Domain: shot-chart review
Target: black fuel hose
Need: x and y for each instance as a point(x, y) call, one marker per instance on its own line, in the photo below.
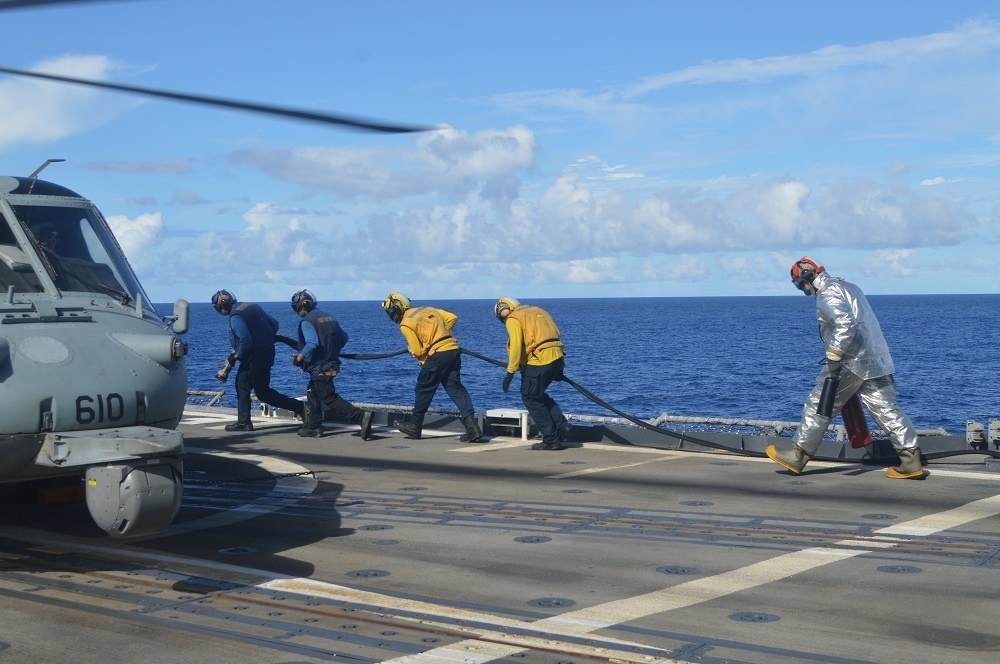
point(645, 425)
point(294, 345)
point(699, 441)
point(288, 341)
point(372, 356)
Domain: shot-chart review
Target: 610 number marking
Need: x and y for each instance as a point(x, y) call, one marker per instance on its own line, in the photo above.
point(110, 408)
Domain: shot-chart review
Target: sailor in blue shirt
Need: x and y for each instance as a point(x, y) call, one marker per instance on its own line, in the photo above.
point(251, 335)
point(320, 341)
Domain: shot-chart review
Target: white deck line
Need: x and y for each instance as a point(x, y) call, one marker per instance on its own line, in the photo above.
point(588, 620)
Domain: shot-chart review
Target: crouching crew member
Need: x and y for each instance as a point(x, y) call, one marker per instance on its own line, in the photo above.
point(534, 349)
point(428, 338)
point(251, 334)
point(858, 356)
point(320, 341)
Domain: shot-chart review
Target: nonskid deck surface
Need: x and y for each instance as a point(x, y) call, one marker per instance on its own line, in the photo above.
point(292, 549)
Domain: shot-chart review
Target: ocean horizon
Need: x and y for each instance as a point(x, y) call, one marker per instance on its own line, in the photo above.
point(753, 357)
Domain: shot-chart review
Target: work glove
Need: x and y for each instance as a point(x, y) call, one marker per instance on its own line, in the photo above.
point(298, 360)
point(833, 364)
point(506, 381)
point(223, 374)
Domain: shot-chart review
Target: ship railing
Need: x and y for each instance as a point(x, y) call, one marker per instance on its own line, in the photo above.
point(689, 422)
point(213, 397)
point(204, 397)
point(395, 408)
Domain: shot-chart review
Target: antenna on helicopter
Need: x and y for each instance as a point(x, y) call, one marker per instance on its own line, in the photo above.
point(40, 168)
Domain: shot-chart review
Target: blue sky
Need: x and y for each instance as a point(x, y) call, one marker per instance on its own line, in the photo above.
point(581, 149)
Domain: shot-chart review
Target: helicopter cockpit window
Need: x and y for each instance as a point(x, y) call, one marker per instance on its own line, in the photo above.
point(82, 255)
point(15, 266)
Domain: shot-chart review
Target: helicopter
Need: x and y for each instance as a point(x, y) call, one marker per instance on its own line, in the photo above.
point(93, 380)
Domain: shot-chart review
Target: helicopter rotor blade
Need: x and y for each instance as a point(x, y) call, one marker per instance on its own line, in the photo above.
point(21, 4)
point(253, 107)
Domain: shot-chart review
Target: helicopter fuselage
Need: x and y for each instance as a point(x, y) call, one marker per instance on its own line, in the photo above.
point(92, 380)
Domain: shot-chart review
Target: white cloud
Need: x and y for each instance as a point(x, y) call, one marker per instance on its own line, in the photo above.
point(900, 166)
point(302, 256)
point(446, 161)
point(593, 168)
point(972, 37)
point(180, 165)
point(898, 262)
point(781, 209)
point(590, 271)
point(37, 111)
point(574, 234)
point(137, 236)
point(924, 87)
point(262, 215)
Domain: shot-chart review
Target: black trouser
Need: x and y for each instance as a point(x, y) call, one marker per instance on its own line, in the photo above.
point(254, 374)
point(543, 409)
point(322, 392)
point(442, 368)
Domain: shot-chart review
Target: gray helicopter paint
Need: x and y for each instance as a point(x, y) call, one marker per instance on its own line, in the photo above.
point(43, 350)
point(89, 372)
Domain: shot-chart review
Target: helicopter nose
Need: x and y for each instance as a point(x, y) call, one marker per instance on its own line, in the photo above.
point(165, 351)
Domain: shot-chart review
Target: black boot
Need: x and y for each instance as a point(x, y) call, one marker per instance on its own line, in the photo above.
point(564, 433)
point(236, 426)
point(472, 432)
point(366, 425)
point(410, 427)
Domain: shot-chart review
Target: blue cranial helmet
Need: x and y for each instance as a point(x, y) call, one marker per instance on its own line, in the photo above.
point(223, 299)
point(303, 299)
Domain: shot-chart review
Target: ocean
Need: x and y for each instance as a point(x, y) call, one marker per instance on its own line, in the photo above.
point(738, 357)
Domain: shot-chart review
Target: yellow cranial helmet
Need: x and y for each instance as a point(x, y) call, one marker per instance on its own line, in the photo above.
point(505, 305)
point(395, 305)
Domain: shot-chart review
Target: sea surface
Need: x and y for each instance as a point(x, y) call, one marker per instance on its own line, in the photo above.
point(739, 357)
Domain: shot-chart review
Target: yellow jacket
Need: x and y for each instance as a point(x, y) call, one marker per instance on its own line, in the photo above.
point(427, 331)
point(533, 338)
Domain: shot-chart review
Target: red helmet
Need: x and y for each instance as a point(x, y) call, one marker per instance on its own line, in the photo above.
point(804, 271)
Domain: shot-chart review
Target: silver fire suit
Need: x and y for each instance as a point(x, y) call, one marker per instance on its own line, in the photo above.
point(848, 324)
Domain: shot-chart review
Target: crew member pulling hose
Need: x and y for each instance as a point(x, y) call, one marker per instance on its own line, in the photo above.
point(427, 332)
point(535, 350)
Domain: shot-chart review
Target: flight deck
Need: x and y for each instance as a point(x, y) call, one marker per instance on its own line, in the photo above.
point(290, 549)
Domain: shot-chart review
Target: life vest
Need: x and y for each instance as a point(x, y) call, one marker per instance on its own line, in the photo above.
point(332, 339)
point(428, 326)
point(257, 322)
point(538, 328)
